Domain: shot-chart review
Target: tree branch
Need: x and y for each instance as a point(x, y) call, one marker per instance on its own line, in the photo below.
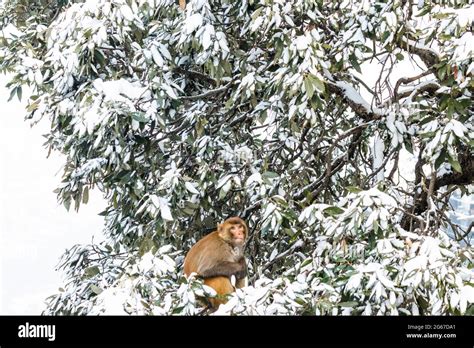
point(353, 98)
point(195, 75)
point(429, 56)
point(207, 94)
point(466, 160)
point(406, 80)
point(331, 168)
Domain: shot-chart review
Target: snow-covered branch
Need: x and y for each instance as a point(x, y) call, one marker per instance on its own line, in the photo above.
point(353, 98)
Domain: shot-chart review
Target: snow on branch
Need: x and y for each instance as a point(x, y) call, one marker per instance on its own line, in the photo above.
point(407, 80)
point(428, 55)
point(428, 86)
point(358, 104)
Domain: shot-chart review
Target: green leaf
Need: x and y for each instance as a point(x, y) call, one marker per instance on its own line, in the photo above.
point(99, 57)
point(355, 63)
point(333, 211)
point(400, 56)
point(427, 134)
point(442, 72)
point(353, 189)
point(459, 107)
point(408, 145)
point(348, 304)
point(12, 93)
point(19, 92)
point(32, 107)
point(427, 119)
point(455, 164)
point(308, 86)
point(256, 13)
point(85, 195)
point(139, 117)
point(77, 201)
point(91, 271)
point(270, 175)
point(95, 289)
point(441, 158)
point(146, 245)
point(222, 193)
point(319, 84)
point(375, 226)
point(67, 203)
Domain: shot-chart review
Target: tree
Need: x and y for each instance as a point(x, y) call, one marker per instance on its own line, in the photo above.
point(261, 109)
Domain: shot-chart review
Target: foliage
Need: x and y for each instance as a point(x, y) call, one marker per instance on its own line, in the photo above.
point(262, 109)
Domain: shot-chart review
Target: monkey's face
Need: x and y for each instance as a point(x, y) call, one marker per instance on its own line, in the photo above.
point(233, 231)
point(238, 233)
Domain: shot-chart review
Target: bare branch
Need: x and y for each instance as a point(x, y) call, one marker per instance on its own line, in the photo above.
point(333, 167)
point(430, 87)
point(207, 94)
point(429, 56)
point(406, 80)
point(195, 75)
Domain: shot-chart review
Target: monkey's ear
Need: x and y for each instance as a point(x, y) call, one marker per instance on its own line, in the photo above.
point(219, 227)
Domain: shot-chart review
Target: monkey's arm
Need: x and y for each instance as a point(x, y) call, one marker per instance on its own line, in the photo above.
point(226, 269)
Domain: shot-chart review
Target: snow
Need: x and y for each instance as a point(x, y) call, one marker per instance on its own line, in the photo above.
point(169, 91)
point(156, 56)
point(354, 96)
point(378, 148)
point(88, 167)
point(457, 127)
point(193, 22)
point(191, 187)
point(465, 16)
point(354, 282)
point(417, 88)
point(10, 31)
point(90, 119)
point(256, 24)
point(111, 302)
point(162, 204)
point(255, 177)
point(391, 19)
point(222, 40)
point(207, 35)
point(302, 42)
point(464, 47)
point(120, 90)
point(127, 12)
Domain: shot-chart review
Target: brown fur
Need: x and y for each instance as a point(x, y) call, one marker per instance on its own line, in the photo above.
point(216, 259)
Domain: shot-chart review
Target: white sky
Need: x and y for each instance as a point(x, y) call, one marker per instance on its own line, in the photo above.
point(34, 229)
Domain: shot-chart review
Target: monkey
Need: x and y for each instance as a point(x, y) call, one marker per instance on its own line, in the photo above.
point(218, 256)
point(182, 4)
